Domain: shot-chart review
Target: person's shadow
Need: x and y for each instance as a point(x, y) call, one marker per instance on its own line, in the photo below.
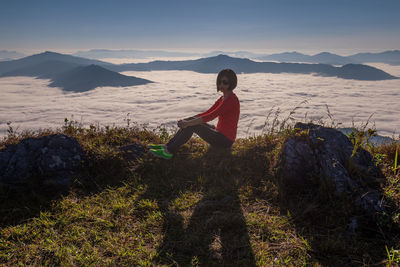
point(216, 232)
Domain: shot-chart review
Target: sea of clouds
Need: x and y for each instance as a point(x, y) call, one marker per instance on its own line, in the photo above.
point(29, 103)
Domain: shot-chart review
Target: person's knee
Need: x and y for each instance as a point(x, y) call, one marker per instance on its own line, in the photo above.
point(190, 128)
point(195, 128)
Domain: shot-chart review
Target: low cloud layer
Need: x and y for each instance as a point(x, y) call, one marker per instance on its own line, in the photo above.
point(29, 103)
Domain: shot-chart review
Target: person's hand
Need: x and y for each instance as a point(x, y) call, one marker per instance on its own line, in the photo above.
point(182, 124)
point(210, 125)
point(188, 119)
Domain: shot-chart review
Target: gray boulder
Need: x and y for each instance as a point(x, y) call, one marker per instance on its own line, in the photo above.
point(327, 153)
point(49, 161)
point(132, 151)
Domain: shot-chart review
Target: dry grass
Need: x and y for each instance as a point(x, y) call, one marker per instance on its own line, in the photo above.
point(204, 207)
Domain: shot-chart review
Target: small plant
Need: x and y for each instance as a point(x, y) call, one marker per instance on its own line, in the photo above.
point(360, 139)
point(395, 166)
point(379, 157)
point(128, 120)
point(249, 126)
point(393, 257)
point(71, 126)
point(278, 124)
point(163, 133)
point(10, 131)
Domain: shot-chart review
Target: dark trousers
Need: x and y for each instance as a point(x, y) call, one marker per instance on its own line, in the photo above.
point(207, 133)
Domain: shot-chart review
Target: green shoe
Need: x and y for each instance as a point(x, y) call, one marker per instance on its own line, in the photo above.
point(153, 146)
point(161, 153)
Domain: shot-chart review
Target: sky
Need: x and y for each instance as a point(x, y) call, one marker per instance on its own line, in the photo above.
point(309, 26)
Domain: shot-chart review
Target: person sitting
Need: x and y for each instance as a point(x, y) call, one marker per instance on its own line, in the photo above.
point(226, 109)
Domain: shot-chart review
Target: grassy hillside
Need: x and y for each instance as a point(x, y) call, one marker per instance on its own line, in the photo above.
point(204, 207)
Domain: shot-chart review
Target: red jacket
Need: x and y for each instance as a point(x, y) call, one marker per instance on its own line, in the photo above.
point(227, 110)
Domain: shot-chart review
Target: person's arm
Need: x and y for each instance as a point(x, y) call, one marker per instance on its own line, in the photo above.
point(212, 107)
point(222, 108)
point(196, 119)
point(197, 116)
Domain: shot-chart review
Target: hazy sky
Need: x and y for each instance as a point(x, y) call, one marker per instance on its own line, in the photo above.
point(310, 26)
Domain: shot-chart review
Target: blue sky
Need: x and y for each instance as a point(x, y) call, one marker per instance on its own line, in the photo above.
point(310, 26)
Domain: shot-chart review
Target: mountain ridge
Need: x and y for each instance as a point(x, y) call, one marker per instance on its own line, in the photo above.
point(391, 57)
point(84, 78)
point(33, 65)
point(10, 55)
point(244, 65)
point(7, 66)
point(68, 72)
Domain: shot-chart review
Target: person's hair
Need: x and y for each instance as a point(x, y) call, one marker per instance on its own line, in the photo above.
point(230, 75)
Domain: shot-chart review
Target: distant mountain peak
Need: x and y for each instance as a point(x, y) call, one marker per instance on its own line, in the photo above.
point(93, 66)
point(293, 53)
point(68, 72)
point(325, 54)
point(49, 53)
point(84, 78)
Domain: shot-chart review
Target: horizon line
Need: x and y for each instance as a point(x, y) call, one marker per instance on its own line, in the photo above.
point(200, 53)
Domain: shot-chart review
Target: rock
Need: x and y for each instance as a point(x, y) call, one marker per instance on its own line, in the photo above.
point(326, 152)
point(353, 225)
point(50, 161)
point(132, 151)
